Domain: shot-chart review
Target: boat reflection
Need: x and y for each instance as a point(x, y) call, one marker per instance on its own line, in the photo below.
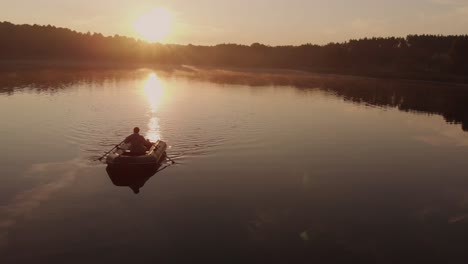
point(133, 177)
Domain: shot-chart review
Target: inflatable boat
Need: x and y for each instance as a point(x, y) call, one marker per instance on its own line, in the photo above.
point(123, 157)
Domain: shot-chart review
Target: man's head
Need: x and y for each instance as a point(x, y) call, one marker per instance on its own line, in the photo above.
point(136, 130)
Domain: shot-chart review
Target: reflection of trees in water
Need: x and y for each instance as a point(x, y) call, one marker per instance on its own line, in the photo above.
point(60, 77)
point(448, 100)
point(53, 80)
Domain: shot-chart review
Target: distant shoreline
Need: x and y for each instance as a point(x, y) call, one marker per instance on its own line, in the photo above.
point(20, 65)
point(435, 58)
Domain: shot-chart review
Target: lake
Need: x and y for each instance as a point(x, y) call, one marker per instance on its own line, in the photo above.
point(271, 167)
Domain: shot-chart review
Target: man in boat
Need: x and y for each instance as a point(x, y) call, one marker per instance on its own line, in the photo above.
point(138, 144)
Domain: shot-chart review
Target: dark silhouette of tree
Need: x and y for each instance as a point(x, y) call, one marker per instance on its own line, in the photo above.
point(432, 57)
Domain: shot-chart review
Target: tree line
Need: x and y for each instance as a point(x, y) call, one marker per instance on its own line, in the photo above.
point(414, 55)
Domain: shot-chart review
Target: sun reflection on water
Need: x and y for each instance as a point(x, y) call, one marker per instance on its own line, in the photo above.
point(154, 92)
point(154, 132)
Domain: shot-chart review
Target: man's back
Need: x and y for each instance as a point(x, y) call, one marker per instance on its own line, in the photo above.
point(137, 142)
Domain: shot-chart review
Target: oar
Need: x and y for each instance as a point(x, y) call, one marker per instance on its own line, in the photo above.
point(109, 151)
point(169, 158)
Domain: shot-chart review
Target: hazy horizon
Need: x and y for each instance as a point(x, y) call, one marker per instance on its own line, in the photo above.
point(276, 22)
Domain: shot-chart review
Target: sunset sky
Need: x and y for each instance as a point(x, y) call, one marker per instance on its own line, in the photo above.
point(274, 22)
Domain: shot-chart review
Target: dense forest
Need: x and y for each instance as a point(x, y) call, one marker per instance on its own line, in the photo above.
point(416, 56)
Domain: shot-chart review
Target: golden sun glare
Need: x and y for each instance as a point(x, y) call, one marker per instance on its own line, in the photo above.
point(155, 93)
point(155, 25)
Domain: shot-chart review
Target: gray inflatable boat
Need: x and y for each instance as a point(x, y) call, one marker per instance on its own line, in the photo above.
point(123, 157)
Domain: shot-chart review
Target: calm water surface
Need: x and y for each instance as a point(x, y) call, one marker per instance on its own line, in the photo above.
point(284, 168)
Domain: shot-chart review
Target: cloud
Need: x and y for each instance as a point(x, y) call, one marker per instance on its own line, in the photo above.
point(24, 203)
point(450, 135)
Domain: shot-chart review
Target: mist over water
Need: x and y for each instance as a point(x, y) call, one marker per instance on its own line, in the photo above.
point(279, 166)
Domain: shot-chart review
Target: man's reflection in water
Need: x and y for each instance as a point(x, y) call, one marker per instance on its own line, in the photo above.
point(135, 178)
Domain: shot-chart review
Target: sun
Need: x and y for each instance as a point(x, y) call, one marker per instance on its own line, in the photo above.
point(155, 25)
